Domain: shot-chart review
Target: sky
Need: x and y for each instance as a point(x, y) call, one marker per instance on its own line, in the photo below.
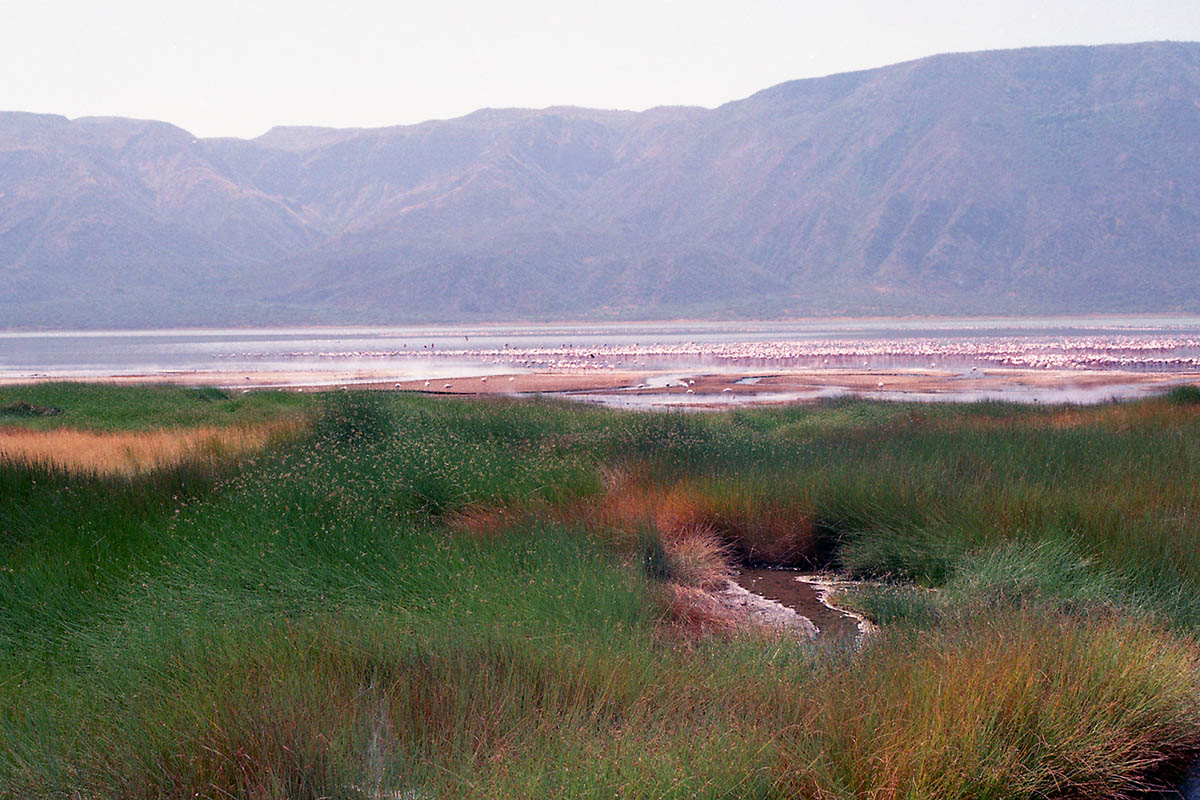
point(239, 67)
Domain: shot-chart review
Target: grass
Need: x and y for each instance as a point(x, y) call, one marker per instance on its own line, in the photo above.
point(442, 598)
point(127, 452)
point(1185, 395)
point(106, 407)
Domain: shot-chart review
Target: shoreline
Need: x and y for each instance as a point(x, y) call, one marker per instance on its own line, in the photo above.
point(698, 388)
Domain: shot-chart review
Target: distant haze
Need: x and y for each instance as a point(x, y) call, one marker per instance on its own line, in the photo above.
point(1050, 180)
point(237, 68)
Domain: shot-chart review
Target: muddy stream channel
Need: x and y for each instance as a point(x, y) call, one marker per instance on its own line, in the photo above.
point(807, 595)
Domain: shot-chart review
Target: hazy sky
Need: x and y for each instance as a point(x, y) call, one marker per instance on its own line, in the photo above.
point(237, 67)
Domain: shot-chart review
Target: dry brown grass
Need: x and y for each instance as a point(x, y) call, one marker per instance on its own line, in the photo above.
point(690, 614)
point(750, 526)
point(699, 558)
point(131, 452)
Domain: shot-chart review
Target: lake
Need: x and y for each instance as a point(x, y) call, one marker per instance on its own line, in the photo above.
point(661, 351)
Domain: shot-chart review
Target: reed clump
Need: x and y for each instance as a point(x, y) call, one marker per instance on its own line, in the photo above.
point(1186, 395)
point(749, 524)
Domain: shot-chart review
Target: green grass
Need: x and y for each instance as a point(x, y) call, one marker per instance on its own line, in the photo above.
point(1185, 395)
point(435, 597)
point(104, 407)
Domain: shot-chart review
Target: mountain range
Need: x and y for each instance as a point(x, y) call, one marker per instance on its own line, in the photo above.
point(1038, 181)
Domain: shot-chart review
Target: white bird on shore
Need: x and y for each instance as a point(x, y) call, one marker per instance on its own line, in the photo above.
point(483, 379)
point(447, 386)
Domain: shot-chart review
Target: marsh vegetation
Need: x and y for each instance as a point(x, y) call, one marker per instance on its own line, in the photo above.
point(405, 596)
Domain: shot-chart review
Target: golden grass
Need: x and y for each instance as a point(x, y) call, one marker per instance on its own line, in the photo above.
point(1032, 705)
point(699, 558)
point(751, 525)
point(132, 452)
point(691, 613)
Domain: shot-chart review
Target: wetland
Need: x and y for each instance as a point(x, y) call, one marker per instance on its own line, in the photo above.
point(485, 596)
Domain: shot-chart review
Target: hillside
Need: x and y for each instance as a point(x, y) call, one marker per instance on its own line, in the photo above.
point(1052, 180)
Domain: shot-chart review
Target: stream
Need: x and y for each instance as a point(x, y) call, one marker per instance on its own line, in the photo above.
point(803, 593)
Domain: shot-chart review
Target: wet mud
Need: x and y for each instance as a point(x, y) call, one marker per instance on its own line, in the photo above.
point(802, 594)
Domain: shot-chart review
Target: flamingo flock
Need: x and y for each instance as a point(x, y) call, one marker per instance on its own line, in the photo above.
point(1160, 353)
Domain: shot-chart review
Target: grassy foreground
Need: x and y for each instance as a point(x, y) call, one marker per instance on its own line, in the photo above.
point(102, 429)
point(441, 598)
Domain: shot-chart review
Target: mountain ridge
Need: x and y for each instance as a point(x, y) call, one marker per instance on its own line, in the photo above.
point(1042, 180)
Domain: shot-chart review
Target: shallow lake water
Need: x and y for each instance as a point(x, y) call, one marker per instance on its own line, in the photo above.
point(663, 351)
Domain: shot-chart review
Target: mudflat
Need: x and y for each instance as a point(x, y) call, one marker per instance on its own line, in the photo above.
point(706, 389)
